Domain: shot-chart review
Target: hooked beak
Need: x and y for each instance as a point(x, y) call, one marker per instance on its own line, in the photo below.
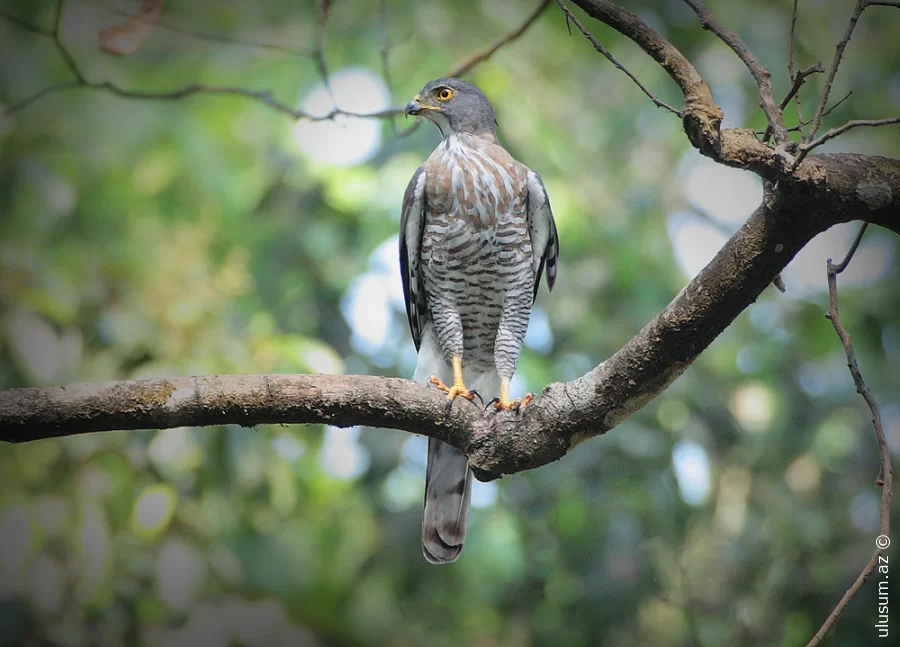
point(416, 107)
point(413, 108)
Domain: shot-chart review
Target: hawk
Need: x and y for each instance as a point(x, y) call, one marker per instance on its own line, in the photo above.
point(476, 234)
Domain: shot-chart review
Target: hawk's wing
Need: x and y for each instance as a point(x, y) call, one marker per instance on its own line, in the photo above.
point(412, 222)
point(542, 228)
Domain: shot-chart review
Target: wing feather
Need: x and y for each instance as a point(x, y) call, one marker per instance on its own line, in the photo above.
point(542, 229)
point(412, 222)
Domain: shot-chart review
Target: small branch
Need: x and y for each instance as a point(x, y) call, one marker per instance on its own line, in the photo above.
point(798, 81)
point(834, 270)
point(466, 64)
point(215, 38)
point(760, 74)
point(835, 132)
point(384, 52)
point(791, 39)
point(570, 18)
point(24, 24)
point(57, 40)
point(265, 96)
point(886, 472)
point(882, 3)
point(318, 53)
point(40, 94)
point(198, 88)
point(791, 64)
point(835, 64)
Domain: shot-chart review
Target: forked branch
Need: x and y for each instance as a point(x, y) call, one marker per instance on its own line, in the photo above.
point(263, 96)
point(886, 472)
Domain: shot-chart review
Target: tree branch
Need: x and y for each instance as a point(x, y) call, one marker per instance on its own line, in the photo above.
point(760, 74)
point(835, 64)
point(886, 473)
point(570, 17)
point(264, 96)
point(834, 132)
point(857, 187)
point(210, 37)
point(798, 82)
point(795, 87)
point(465, 65)
point(790, 64)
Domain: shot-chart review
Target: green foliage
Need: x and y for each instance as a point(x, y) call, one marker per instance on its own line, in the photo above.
point(152, 238)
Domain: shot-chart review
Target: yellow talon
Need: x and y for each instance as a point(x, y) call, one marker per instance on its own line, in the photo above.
point(459, 387)
point(503, 403)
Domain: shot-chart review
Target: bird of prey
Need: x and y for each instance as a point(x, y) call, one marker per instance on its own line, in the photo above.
point(476, 234)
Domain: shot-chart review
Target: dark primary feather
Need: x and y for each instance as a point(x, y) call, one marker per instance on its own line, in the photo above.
point(410, 272)
point(541, 222)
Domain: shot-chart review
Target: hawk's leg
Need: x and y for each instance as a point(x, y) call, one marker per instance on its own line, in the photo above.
point(503, 403)
point(510, 337)
point(459, 387)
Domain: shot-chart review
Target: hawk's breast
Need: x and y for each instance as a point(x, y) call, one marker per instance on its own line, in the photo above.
point(476, 250)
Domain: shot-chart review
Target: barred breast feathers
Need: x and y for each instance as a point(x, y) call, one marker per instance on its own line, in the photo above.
point(474, 178)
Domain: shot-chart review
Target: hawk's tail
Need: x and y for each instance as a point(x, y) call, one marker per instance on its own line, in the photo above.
point(448, 479)
point(448, 488)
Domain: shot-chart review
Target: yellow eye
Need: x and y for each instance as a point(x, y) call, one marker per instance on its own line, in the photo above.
point(445, 94)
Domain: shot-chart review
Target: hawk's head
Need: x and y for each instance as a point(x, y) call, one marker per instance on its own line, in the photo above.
point(455, 106)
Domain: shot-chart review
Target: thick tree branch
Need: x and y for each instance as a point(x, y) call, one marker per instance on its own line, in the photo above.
point(702, 117)
point(840, 188)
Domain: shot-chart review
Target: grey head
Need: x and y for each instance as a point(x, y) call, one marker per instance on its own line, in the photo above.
point(454, 106)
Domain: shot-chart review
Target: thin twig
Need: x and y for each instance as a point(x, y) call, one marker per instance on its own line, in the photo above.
point(24, 24)
point(761, 75)
point(466, 64)
point(318, 53)
point(265, 96)
point(886, 476)
point(207, 36)
point(57, 40)
point(385, 52)
point(791, 39)
point(570, 19)
point(798, 81)
point(799, 127)
point(834, 132)
point(198, 88)
point(791, 64)
point(882, 3)
point(832, 71)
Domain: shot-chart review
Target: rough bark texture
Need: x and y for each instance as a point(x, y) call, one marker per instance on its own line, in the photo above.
point(799, 203)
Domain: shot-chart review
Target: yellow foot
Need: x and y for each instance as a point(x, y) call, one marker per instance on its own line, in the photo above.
point(501, 404)
point(455, 391)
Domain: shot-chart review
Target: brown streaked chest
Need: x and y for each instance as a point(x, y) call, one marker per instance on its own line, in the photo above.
point(475, 181)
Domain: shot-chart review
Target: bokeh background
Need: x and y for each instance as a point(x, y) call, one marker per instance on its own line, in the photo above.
point(214, 235)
